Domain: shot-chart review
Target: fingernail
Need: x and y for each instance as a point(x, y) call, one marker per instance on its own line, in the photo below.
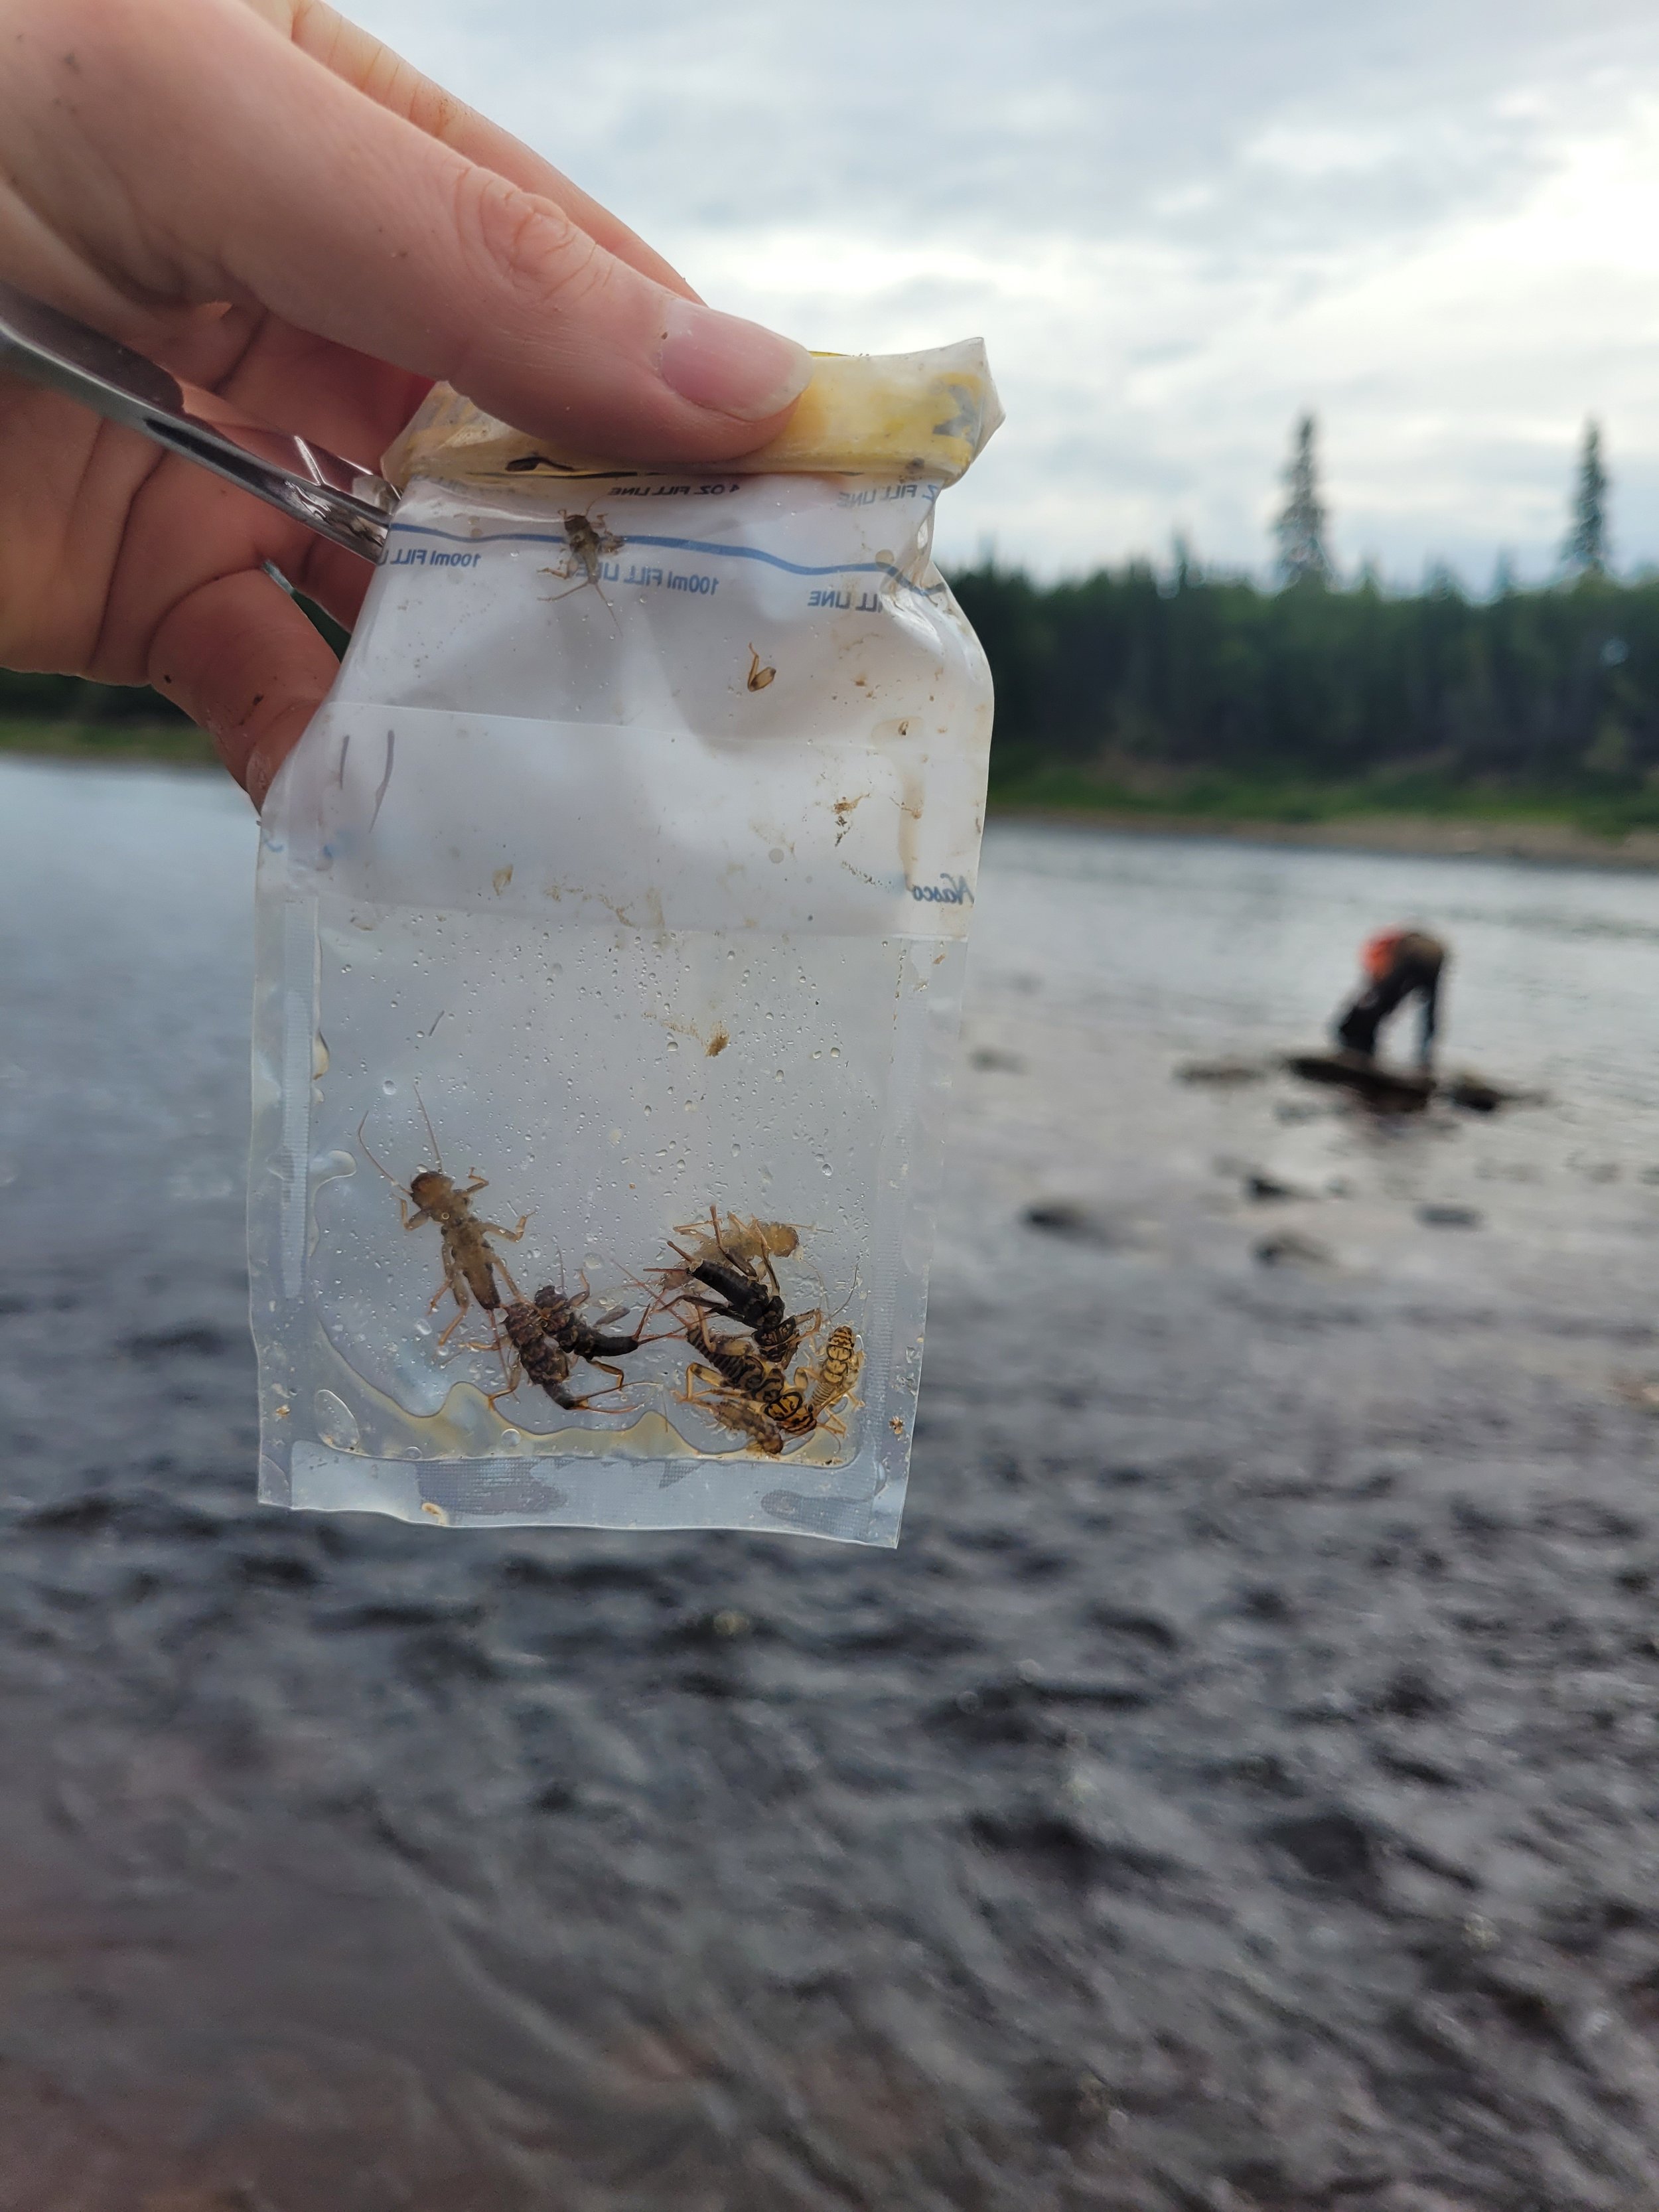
point(729, 366)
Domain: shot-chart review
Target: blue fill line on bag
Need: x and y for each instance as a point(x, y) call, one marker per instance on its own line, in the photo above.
point(674, 545)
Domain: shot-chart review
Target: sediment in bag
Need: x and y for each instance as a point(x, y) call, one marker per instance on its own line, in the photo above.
point(622, 883)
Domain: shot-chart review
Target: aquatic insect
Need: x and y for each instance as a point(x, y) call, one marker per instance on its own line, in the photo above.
point(470, 1265)
point(735, 1263)
point(738, 1364)
point(561, 1318)
point(590, 543)
point(759, 675)
point(751, 1243)
point(549, 1333)
point(833, 1378)
point(739, 1369)
point(777, 1334)
point(539, 1357)
point(732, 1411)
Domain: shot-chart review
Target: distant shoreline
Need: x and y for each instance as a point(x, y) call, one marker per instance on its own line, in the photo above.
point(1428, 836)
point(1463, 836)
point(110, 744)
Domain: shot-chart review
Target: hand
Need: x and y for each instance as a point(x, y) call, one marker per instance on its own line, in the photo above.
point(265, 200)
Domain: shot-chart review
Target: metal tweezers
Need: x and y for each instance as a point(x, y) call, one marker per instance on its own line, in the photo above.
point(339, 499)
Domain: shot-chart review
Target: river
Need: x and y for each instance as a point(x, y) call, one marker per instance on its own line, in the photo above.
point(1239, 1790)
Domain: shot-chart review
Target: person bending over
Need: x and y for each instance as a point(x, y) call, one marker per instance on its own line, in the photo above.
point(1398, 964)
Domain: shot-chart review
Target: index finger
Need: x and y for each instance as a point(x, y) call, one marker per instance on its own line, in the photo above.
point(372, 68)
point(257, 174)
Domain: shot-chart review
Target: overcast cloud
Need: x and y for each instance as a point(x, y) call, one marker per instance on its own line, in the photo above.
point(1175, 225)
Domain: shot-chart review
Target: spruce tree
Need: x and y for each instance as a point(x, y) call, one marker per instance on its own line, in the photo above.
point(1585, 552)
point(1300, 527)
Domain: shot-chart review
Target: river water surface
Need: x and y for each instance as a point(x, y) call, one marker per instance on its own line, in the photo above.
point(1239, 1789)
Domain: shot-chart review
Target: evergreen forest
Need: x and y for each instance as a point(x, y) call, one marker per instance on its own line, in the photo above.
point(1183, 691)
point(1134, 687)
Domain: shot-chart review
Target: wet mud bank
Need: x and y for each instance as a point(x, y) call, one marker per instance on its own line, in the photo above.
point(1238, 1790)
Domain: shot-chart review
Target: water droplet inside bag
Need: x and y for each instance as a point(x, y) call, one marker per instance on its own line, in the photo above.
point(390, 1088)
point(336, 1424)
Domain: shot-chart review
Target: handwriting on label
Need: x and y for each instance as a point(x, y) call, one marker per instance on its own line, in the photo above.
point(949, 891)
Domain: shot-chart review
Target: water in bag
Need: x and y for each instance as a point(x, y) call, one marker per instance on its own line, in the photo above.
point(611, 936)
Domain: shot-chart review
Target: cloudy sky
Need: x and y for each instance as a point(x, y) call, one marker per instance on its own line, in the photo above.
point(1175, 223)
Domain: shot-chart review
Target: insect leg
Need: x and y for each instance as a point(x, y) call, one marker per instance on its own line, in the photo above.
point(517, 1373)
point(455, 1283)
point(494, 1228)
point(605, 1368)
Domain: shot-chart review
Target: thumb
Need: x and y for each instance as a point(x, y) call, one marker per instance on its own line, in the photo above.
point(271, 177)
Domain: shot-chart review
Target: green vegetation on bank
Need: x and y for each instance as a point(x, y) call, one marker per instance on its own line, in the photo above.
point(1207, 696)
point(67, 718)
point(1210, 797)
point(176, 744)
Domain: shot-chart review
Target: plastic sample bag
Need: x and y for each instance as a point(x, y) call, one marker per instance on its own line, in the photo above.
point(612, 921)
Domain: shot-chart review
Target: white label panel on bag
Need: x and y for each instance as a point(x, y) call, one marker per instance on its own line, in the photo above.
point(626, 826)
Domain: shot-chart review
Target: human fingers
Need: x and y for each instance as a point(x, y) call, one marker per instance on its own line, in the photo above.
point(242, 167)
point(355, 55)
point(243, 661)
point(192, 609)
point(131, 566)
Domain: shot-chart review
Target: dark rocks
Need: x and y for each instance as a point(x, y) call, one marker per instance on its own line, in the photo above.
point(1290, 1249)
point(1064, 1217)
point(1332, 1849)
point(1223, 1074)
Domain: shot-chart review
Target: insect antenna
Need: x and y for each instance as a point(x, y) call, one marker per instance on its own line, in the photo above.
point(385, 1170)
point(847, 1300)
point(437, 1153)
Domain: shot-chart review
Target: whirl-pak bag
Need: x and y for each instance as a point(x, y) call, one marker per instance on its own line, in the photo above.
point(612, 921)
